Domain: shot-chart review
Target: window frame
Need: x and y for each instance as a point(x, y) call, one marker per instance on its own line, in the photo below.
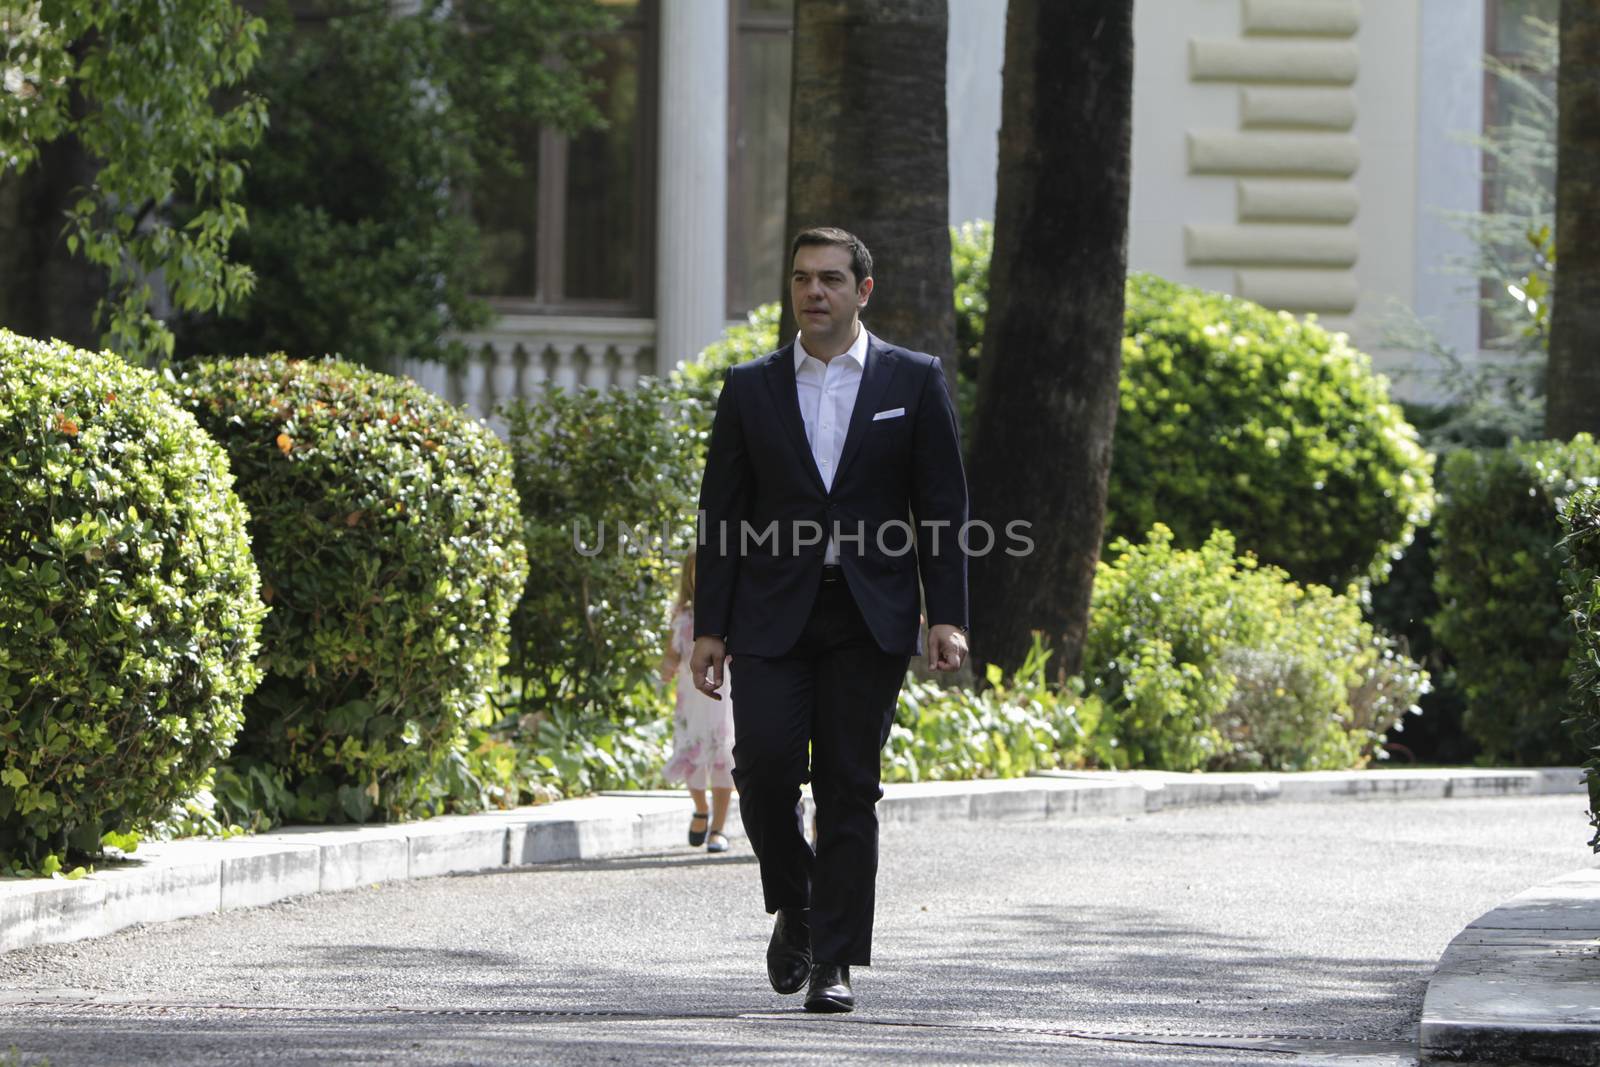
point(738, 240)
point(550, 227)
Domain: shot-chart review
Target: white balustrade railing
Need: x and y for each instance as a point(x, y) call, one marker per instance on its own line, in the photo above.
point(522, 355)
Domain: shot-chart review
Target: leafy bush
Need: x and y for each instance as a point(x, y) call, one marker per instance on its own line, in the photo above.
point(589, 464)
point(1208, 660)
point(1005, 731)
point(1498, 577)
point(971, 249)
point(1240, 418)
point(701, 380)
point(129, 611)
point(1580, 520)
point(386, 529)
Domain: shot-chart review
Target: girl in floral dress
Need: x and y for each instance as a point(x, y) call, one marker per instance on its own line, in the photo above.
point(702, 728)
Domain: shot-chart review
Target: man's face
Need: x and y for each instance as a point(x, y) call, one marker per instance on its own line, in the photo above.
point(826, 295)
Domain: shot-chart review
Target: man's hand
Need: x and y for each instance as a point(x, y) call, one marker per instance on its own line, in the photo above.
point(947, 647)
point(705, 665)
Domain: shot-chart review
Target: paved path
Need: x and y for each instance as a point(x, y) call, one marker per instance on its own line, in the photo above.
point(1294, 933)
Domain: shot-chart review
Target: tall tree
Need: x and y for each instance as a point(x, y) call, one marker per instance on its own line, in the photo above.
point(1573, 379)
point(121, 109)
point(869, 152)
point(1052, 349)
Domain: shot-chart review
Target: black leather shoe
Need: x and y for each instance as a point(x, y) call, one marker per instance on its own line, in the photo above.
point(830, 988)
point(789, 951)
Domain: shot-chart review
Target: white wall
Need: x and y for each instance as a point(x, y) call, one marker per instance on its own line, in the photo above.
point(974, 57)
point(1166, 105)
point(1418, 87)
point(1450, 108)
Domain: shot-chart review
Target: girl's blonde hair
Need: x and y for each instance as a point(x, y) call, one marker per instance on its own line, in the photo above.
point(686, 582)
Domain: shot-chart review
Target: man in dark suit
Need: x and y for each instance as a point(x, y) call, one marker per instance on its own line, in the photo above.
point(833, 482)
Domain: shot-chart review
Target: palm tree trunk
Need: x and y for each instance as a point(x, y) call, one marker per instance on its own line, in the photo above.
point(868, 152)
point(1052, 350)
point(1573, 378)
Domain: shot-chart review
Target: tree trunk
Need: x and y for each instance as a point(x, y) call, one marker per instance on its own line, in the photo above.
point(869, 152)
point(1573, 378)
point(45, 291)
point(1052, 350)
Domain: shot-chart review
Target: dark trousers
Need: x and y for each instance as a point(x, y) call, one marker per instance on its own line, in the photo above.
point(836, 690)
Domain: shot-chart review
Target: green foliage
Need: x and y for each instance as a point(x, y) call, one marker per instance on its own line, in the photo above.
point(971, 249)
point(1004, 731)
point(1404, 606)
point(572, 758)
point(1485, 404)
point(537, 757)
point(1580, 521)
point(587, 464)
point(1498, 577)
point(1240, 418)
point(129, 610)
point(1207, 660)
point(701, 380)
point(380, 121)
point(387, 531)
point(138, 86)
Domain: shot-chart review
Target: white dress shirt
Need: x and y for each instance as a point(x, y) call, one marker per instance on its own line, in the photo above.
point(827, 397)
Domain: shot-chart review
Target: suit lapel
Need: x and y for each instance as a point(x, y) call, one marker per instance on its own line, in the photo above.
point(881, 363)
point(786, 398)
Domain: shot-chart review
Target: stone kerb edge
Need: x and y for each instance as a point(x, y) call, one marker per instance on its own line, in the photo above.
point(190, 878)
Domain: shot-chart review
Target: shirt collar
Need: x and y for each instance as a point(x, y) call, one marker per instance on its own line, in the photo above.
point(858, 350)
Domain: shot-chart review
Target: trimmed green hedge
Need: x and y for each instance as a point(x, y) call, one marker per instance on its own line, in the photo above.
point(129, 611)
point(1580, 521)
point(1498, 574)
point(588, 465)
point(1254, 421)
point(389, 540)
point(1205, 660)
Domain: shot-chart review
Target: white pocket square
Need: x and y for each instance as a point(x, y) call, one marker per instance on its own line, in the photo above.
point(892, 413)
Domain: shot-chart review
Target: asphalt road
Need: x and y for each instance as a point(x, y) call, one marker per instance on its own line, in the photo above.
point(1235, 935)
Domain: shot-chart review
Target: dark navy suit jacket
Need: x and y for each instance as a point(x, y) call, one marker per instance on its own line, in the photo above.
point(899, 501)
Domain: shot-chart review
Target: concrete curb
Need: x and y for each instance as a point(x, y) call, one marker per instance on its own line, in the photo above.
point(1521, 984)
point(185, 878)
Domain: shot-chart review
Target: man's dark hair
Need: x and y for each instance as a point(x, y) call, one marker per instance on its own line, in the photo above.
point(860, 258)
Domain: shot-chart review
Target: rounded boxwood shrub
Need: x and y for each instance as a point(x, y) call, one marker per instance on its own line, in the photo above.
point(387, 532)
point(1240, 418)
point(1498, 574)
point(1207, 660)
point(129, 611)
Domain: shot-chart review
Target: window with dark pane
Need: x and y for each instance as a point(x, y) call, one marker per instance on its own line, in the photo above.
point(570, 230)
point(602, 202)
point(507, 207)
point(758, 151)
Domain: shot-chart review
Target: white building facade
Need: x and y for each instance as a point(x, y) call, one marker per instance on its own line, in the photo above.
point(1305, 154)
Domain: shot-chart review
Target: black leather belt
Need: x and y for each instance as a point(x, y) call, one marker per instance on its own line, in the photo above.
point(832, 572)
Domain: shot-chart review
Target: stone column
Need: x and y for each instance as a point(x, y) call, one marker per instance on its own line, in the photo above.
point(692, 180)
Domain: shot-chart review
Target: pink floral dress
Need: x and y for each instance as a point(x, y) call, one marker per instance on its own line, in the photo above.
point(702, 728)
